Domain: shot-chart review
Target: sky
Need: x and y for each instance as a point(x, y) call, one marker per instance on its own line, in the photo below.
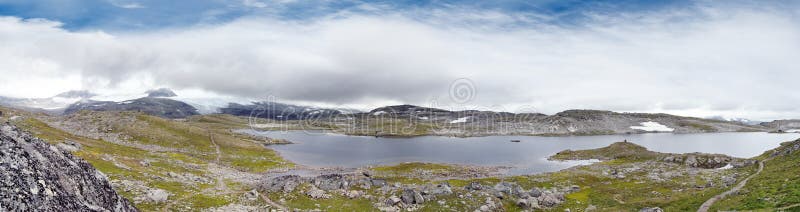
point(735, 59)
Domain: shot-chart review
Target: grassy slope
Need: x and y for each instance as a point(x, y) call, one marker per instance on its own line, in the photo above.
point(122, 162)
point(777, 186)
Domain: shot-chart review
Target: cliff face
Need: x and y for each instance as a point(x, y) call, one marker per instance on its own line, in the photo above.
point(36, 176)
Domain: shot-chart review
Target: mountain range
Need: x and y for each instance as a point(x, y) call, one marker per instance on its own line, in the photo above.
point(165, 103)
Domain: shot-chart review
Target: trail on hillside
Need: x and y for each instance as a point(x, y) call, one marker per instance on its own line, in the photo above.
point(706, 205)
point(221, 186)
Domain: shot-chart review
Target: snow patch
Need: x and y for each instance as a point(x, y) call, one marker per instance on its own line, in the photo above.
point(460, 120)
point(793, 131)
point(651, 126)
point(267, 125)
point(423, 118)
point(378, 113)
point(727, 166)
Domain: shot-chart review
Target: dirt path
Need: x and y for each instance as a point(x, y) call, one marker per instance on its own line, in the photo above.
point(221, 186)
point(788, 207)
point(706, 205)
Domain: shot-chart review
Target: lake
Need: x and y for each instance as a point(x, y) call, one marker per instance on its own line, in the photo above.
point(529, 156)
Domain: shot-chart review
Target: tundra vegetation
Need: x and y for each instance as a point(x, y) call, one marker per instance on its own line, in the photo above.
point(202, 163)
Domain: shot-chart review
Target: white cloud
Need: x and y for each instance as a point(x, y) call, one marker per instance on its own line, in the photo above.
point(700, 61)
point(126, 4)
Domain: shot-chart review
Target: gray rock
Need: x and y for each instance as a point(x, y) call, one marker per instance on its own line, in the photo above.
point(523, 203)
point(353, 194)
point(654, 209)
point(285, 183)
point(728, 180)
point(331, 182)
point(378, 182)
point(251, 195)
point(156, 195)
point(316, 193)
point(35, 176)
point(506, 188)
point(549, 200)
point(439, 189)
point(474, 186)
point(393, 200)
point(411, 196)
point(535, 192)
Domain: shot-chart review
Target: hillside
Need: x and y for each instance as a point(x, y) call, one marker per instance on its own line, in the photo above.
point(776, 188)
point(159, 163)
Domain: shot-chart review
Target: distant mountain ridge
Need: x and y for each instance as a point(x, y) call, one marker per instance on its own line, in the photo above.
point(434, 121)
point(278, 111)
point(162, 107)
point(52, 104)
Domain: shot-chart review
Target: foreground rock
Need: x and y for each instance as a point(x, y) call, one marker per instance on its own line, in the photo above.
point(399, 197)
point(39, 177)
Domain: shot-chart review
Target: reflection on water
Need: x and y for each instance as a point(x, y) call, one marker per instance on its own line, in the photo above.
point(526, 157)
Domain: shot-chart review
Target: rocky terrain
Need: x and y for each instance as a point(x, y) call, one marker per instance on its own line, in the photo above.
point(634, 180)
point(37, 176)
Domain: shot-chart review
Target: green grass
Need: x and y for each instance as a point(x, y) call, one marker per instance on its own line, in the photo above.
point(777, 186)
point(618, 150)
point(703, 127)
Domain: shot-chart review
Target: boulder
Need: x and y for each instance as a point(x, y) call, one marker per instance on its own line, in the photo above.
point(474, 186)
point(331, 182)
point(353, 194)
point(549, 200)
point(156, 195)
point(251, 195)
point(411, 196)
point(316, 193)
point(503, 189)
point(393, 200)
point(286, 183)
point(439, 189)
point(535, 192)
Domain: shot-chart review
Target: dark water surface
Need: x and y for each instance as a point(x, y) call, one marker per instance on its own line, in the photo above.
point(318, 149)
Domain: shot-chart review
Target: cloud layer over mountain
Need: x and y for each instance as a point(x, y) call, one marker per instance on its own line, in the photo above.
point(707, 59)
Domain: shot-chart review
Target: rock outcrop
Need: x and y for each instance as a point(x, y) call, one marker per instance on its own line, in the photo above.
point(37, 176)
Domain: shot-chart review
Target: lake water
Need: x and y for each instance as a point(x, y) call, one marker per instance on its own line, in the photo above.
point(529, 156)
